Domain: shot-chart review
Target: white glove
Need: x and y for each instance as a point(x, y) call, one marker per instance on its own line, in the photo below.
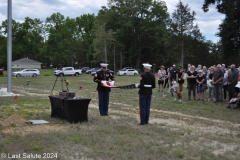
point(112, 83)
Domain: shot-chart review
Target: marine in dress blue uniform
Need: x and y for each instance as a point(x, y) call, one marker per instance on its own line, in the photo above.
point(103, 92)
point(147, 83)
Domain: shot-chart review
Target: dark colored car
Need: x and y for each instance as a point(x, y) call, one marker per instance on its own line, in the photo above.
point(91, 70)
point(84, 69)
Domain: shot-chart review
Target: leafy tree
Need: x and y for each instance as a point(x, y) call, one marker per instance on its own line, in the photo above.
point(84, 35)
point(182, 26)
point(101, 42)
point(229, 30)
point(60, 39)
point(3, 51)
point(69, 40)
point(26, 38)
point(33, 39)
point(140, 25)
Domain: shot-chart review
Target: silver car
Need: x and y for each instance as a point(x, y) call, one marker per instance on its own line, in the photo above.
point(27, 73)
point(127, 72)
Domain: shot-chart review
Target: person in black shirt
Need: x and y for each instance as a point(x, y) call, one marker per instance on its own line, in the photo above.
point(200, 81)
point(147, 83)
point(217, 82)
point(166, 79)
point(232, 81)
point(173, 74)
point(103, 92)
point(191, 79)
point(180, 78)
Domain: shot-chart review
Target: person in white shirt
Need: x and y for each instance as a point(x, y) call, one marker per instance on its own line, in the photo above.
point(161, 78)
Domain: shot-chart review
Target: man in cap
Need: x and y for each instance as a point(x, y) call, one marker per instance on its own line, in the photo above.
point(147, 83)
point(103, 92)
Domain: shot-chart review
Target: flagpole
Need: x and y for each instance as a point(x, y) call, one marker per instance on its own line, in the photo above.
point(9, 49)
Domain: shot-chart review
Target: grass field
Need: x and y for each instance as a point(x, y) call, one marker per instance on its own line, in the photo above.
point(192, 130)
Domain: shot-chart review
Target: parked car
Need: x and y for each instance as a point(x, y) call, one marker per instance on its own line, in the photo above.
point(84, 69)
point(27, 72)
point(124, 69)
point(91, 70)
point(128, 72)
point(68, 71)
point(94, 72)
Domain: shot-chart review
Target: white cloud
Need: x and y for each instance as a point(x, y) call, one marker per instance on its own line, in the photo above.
point(208, 22)
point(209, 27)
point(2, 18)
point(44, 8)
point(86, 3)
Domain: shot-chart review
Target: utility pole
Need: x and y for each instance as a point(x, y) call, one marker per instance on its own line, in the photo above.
point(182, 54)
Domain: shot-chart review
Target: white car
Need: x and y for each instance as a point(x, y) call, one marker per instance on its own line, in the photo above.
point(66, 71)
point(129, 72)
point(27, 72)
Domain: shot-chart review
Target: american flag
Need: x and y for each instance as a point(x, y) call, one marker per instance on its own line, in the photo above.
point(130, 86)
point(111, 85)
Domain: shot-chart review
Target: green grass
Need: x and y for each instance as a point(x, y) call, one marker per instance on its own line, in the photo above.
point(190, 130)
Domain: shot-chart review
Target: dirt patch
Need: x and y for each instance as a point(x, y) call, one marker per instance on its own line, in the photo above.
point(22, 126)
point(13, 120)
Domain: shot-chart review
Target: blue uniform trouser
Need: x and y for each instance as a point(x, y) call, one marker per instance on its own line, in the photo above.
point(103, 99)
point(144, 105)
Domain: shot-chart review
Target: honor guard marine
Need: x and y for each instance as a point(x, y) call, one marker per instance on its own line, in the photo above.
point(147, 83)
point(103, 92)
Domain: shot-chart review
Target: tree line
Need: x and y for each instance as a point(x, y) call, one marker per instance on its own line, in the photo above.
point(124, 33)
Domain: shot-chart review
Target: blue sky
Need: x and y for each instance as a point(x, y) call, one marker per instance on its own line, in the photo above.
point(207, 22)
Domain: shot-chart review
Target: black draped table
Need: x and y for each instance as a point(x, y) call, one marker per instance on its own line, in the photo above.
point(72, 109)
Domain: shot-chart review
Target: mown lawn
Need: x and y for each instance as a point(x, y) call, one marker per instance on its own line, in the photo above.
point(188, 130)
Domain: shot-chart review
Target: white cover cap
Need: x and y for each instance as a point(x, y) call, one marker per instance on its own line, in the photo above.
point(103, 64)
point(147, 66)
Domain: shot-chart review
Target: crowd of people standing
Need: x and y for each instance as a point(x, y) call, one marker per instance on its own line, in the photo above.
point(217, 81)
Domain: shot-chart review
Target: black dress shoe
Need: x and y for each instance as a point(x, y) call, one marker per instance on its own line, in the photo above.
point(105, 114)
point(141, 123)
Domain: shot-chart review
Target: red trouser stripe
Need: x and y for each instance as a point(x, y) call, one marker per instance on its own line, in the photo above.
point(140, 112)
